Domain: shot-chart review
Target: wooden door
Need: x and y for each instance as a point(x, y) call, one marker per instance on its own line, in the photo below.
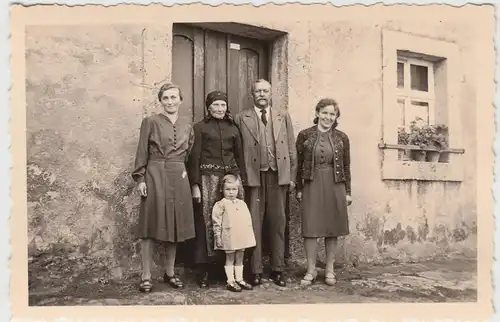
point(206, 60)
point(187, 68)
point(248, 61)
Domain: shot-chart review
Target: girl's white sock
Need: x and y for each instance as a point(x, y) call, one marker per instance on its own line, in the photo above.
point(229, 273)
point(238, 271)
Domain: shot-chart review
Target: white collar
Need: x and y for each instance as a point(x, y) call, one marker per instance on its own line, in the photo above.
point(259, 111)
point(173, 118)
point(235, 200)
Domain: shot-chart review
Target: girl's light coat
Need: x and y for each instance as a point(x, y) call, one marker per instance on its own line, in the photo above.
point(232, 225)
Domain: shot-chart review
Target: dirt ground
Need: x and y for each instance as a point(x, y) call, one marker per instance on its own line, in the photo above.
point(440, 280)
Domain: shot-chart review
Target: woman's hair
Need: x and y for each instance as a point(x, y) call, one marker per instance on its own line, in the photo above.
point(327, 102)
point(168, 86)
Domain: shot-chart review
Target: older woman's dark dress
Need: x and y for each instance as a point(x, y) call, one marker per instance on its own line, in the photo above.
point(166, 214)
point(217, 151)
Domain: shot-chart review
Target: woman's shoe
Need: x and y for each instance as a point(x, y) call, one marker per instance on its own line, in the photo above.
point(146, 286)
point(233, 287)
point(173, 281)
point(309, 279)
point(330, 278)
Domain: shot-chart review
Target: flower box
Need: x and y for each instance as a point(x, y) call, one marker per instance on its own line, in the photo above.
point(423, 142)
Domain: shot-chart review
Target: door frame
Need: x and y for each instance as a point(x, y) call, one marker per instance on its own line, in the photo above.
point(276, 55)
point(245, 32)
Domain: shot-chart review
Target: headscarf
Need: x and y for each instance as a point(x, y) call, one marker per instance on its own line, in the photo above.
point(217, 96)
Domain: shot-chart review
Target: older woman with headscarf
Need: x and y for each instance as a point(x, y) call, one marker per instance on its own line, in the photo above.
point(217, 151)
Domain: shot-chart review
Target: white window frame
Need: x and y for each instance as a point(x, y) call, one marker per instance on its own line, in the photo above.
point(408, 95)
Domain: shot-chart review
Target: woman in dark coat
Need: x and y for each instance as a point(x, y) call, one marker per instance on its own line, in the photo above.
point(217, 151)
point(323, 186)
point(166, 211)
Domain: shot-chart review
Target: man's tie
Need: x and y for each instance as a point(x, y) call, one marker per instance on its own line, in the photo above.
point(263, 116)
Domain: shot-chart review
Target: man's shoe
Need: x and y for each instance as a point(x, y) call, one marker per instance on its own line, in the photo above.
point(257, 279)
point(203, 281)
point(278, 278)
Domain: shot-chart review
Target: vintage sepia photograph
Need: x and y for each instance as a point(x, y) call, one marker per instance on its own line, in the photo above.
point(201, 155)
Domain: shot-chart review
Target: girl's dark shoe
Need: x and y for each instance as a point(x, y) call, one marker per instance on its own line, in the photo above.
point(244, 285)
point(173, 281)
point(233, 287)
point(146, 286)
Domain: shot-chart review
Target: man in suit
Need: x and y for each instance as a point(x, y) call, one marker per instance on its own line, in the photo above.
point(270, 163)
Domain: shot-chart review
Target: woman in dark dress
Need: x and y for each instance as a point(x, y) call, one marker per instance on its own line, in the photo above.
point(217, 151)
point(323, 186)
point(166, 211)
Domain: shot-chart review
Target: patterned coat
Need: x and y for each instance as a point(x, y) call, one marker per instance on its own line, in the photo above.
point(307, 140)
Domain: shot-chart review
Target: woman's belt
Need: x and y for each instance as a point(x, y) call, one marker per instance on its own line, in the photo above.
point(165, 159)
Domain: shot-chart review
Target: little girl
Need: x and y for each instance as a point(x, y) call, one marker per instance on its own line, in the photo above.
point(233, 232)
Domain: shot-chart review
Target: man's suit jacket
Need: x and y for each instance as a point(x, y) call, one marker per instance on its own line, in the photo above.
point(286, 154)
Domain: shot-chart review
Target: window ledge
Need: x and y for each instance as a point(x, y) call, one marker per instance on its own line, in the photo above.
point(393, 168)
point(416, 147)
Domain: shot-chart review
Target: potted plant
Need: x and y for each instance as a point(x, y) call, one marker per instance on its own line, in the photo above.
point(405, 152)
point(418, 137)
point(431, 139)
point(438, 141)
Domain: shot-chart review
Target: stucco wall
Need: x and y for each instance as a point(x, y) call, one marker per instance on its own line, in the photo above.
point(83, 111)
point(87, 88)
point(405, 220)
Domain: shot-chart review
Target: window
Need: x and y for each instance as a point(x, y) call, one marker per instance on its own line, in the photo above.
point(421, 80)
point(415, 91)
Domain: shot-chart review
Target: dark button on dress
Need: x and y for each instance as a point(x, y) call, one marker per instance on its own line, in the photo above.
point(166, 214)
